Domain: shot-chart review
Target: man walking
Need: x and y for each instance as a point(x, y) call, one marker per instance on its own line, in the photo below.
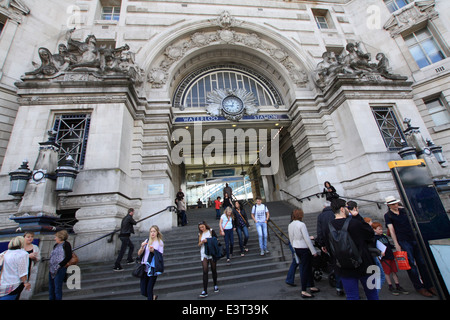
point(260, 214)
point(126, 229)
point(403, 237)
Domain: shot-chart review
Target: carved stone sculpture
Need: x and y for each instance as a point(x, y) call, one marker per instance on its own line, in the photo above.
point(78, 59)
point(356, 64)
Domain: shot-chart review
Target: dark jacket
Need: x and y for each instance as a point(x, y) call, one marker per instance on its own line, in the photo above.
point(212, 247)
point(363, 236)
point(239, 221)
point(326, 216)
point(158, 262)
point(126, 227)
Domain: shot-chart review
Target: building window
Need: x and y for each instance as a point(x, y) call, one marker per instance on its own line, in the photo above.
point(438, 111)
point(72, 136)
point(2, 23)
point(394, 5)
point(323, 18)
point(424, 48)
point(321, 22)
point(193, 92)
point(111, 13)
point(389, 128)
point(289, 162)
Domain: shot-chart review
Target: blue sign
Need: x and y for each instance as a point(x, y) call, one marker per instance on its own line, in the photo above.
point(223, 173)
point(255, 117)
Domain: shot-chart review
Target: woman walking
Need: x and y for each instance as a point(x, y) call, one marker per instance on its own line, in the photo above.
point(205, 233)
point(59, 257)
point(304, 249)
point(226, 229)
point(241, 223)
point(151, 253)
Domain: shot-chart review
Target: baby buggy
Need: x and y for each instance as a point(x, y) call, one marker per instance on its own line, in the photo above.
point(321, 264)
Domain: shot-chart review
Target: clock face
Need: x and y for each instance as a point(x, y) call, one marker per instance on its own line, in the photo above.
point(232, 105)
point(38, 176)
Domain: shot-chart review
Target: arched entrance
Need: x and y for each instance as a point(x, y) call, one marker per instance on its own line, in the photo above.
point(231, 85)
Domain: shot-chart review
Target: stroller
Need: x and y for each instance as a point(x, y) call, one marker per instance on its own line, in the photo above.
point(322, 264)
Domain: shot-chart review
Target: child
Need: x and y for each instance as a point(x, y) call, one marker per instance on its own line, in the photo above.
point(388, 261)
point(217, 204)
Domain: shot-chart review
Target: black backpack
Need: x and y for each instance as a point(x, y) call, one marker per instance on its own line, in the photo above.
point(343, 247)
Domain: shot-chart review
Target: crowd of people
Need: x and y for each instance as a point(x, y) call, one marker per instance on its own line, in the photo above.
point(354, 244)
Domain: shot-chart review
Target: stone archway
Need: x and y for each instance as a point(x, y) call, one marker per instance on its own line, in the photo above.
point(224, 37)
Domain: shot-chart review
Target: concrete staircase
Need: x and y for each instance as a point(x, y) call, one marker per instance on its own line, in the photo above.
point(183, 273)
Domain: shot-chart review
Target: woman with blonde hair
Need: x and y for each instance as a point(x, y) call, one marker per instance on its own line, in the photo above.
point(14, 273)
point(304, 249)
point(227, 225)
point(151, 254)
point(59, 257)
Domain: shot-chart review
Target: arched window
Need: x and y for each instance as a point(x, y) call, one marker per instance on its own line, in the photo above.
point(193, 91)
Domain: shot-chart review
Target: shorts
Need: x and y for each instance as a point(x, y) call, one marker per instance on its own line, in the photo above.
point(389, 266)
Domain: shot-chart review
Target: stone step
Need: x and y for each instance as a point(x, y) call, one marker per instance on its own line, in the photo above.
point(183, 270)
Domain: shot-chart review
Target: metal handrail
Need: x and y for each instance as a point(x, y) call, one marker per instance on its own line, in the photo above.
point(279, 235)
point(117, 230)
point(171, 208)
point(321, 194)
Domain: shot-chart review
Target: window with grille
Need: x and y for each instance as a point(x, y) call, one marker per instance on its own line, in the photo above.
point(289, 162)
point(438, 111)
point(389, 128)
point(72, 136)
point(424, 48)
point(394, 5)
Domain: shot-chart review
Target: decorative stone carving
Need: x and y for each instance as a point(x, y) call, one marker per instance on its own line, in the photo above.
point(158, 75)
point(216, 106)
point(410, 15)
point(355, 63)
point(77, 60)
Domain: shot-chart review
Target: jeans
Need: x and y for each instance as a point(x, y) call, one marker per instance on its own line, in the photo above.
point(242, 233)
point(126, 242)
point(417, 264)
point(291, 272)
point(261, 228)
point(183, 217)
point(352, 290)
point(55, 285)
point(217, 213)
point(229, 241)
point(9, 297)
point(147, 283)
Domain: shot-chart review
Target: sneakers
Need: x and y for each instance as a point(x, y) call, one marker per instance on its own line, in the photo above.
point(216, 289)
point(204, 294)
point(393, 291)
point(401, 290)
point(262, 253)
point(118, 268)
point(130, 261)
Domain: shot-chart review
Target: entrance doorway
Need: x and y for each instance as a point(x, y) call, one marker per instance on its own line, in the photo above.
point(245, 155)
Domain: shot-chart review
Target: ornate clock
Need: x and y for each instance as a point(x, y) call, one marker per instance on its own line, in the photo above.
point(232, 105)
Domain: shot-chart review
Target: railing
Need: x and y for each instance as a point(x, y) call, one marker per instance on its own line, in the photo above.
point(321, 194)
point(111, 234)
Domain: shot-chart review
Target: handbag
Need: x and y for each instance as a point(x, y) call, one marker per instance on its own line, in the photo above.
point(139, 270)
point(402, 260)
point(73, 261)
